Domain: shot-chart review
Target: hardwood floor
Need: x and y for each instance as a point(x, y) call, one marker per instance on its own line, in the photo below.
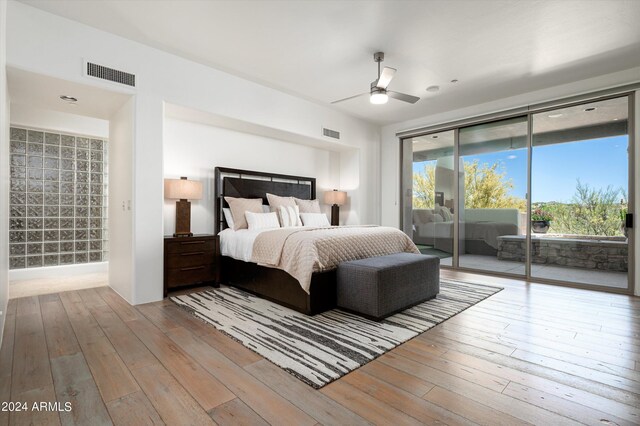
point(531, 354)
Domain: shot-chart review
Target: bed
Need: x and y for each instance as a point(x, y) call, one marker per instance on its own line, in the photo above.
point(310, 296)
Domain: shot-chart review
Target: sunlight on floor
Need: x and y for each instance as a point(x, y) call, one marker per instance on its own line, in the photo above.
point(39, 286)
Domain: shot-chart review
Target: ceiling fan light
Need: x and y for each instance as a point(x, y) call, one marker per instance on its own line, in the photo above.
point(379, 98)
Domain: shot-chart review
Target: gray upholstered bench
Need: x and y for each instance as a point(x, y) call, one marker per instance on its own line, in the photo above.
point(380, 286)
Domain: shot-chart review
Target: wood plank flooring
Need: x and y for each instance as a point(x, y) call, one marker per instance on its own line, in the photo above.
point(531, 354)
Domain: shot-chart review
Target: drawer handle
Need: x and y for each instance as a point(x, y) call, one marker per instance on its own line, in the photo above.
point(192, 242)
point(195, 253)
point(192, 269)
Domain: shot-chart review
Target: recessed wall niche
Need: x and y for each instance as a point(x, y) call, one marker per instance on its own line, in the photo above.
point(58, 199)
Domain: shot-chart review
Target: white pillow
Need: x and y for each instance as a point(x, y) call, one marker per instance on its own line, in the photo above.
point(262, 220)
point(446, 214)
point(228, 217)
point(290, 216)
point(265, 208)
point(315, 219)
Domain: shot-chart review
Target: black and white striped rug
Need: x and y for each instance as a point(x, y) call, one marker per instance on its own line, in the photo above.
point(324, 347)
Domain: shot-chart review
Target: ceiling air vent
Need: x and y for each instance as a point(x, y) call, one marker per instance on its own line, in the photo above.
point(330, 133)
point(110, 74)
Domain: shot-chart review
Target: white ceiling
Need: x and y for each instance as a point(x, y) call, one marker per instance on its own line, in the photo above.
point(322, 50)
point(38, 91)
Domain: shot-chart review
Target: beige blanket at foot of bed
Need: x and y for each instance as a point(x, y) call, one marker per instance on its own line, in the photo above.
point(302, 251)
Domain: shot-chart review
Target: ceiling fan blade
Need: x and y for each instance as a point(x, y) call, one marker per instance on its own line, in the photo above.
point(350, 97)
point(385, 77)
point(403, 97)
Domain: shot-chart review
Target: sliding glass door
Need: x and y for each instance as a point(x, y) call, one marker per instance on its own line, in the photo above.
point(580, 193)
point(431, 198)
point(543, 195)
point(493, 195)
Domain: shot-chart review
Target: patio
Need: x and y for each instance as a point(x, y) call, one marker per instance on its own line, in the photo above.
point(552, 272)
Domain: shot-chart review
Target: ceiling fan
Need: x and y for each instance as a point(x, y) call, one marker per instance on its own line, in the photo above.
point(378, 94)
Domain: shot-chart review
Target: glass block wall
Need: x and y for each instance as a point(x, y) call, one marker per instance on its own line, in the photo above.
point(58, 200)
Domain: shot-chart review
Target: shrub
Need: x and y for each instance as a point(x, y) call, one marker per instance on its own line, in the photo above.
point(540, 214)
point(592, 211)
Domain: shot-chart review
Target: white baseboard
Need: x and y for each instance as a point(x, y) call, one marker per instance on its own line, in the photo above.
point(58, 271)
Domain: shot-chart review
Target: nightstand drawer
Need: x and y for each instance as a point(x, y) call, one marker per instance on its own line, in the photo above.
point(190, 245)
point(190, 261)
point(196, 258)
point(189, 275)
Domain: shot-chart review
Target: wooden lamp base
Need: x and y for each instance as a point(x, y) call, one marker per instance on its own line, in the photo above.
point(183, 219)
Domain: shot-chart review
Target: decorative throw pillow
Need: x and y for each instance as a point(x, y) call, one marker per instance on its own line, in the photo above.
point(238, 208)
point(228, 217)
point(290, 216)
point(276, 201)
point(315, 219)
point(422, 216)
point(446, 214)
point(308, 206)
point(262, 220)
point(437, 218)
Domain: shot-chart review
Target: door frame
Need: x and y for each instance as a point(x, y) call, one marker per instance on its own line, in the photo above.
point(627, 91)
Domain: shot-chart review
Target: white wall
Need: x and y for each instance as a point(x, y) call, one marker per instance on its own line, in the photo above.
point(25, 115)
point(194, 150)
point(54, 46)
point(121, 259)
point(636, 210)
point(4, 171)
point(352, 170)
point(60, 272)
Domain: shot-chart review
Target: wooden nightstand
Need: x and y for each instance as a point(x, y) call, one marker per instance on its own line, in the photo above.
point(191, 260)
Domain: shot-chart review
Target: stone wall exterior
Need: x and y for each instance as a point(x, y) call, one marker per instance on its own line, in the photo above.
point(575, 253)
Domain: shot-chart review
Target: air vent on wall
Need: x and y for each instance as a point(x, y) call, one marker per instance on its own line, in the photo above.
point(330, 133)
point(111, 74)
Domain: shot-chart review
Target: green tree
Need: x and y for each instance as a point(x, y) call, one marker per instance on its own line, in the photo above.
point(486, 186)
point(424, 188)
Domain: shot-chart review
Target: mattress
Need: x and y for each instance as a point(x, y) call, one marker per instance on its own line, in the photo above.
point(238, 244)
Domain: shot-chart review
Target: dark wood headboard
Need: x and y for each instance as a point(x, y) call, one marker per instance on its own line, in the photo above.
point(251, 184)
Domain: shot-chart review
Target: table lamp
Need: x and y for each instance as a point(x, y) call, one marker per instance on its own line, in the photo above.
point(183, 190)
point(335, 198)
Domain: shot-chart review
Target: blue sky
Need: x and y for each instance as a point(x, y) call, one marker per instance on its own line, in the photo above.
point(556, 168)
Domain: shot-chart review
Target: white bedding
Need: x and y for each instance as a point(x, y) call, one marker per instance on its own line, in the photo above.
point(238, 244)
